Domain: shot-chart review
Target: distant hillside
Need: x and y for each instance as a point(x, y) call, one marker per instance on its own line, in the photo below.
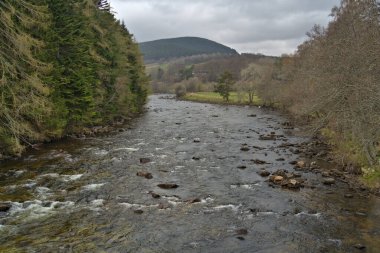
point(179, 47)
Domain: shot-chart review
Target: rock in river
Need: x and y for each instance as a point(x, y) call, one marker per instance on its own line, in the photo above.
point(329, 181)
point(167, 186)
point(193, 200)
point(241, 231)
point(264, 173)
point(147, 175)
point(4, 207)
point(154, 195)
point(244, 148)
point(145, 160)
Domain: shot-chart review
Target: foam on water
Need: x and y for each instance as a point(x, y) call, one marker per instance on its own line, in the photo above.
point(68, 178)
point(138, 206)
point(30, 210)
point(53, 175)
point(317, 215)
point(92, 187)
point(127, 149)
point(101, 152)
point(234, 208)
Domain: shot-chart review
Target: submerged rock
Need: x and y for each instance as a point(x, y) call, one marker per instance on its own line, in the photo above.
point(258, 161)
point(264, 173)
point(147, 175)
point(241, 231)
point(163, 206)
point(154, 195)
point(167, 186)
point(269, 137)
point(145, 160)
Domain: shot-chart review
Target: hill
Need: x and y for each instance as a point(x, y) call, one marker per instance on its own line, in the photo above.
point(180, 47)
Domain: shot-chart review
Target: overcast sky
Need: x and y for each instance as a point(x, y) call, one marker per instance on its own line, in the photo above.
point(271, 27)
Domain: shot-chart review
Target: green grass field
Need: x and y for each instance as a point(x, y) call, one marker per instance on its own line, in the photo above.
point(215, 98)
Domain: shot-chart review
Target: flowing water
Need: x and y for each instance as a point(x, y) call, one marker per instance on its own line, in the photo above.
point(85, 196)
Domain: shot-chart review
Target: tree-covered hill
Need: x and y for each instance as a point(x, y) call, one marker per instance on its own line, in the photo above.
point(179, 47)
point(64, 65)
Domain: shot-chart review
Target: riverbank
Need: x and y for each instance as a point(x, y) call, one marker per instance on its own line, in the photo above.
point(214, 98)
point(119, 124)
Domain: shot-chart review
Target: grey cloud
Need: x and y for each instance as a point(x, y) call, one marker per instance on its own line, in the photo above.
point(266, 26)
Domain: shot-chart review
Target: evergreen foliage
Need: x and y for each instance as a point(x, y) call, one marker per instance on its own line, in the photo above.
point(224, 85)
point(64, 65)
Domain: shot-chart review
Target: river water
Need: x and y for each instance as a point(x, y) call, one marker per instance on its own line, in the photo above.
point(85, 196)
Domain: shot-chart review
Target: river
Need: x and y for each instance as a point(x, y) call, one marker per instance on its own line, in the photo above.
point(83, 195)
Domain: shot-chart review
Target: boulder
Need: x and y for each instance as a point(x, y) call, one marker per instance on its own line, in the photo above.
point(329, 181)
point(167, 186)
point(300, 164)
point(4, 207)
point(244, 148)
point(264, 173)
point(138, 211)
point(147, 175)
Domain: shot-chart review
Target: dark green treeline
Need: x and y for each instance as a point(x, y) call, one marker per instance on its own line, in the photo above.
point(64, 65)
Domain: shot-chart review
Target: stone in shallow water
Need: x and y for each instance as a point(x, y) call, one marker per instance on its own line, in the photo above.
point(329, 181)
point(147, 175)
point(258, 161)
point(244, 148)
point(360, 246)
point(193, 200)
point(167, 186)
point(4, 207)
point(154, 195)
point(264, 173)
point(241, 231)
point(145, 160)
